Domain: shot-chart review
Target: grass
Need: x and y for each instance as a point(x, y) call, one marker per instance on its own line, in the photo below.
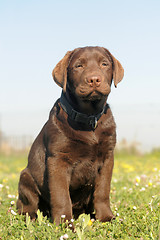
point(135, 200)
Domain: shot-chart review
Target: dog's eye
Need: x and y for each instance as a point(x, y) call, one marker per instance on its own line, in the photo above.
point(104, 64)
point(79, 65)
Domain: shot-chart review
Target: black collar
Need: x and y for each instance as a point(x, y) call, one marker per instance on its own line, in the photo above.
point(88, 120)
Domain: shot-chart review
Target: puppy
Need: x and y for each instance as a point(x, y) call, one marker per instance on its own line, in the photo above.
point(70, 162)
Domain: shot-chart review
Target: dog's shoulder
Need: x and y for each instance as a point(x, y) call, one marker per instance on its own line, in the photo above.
point(107, 120)
point(55, 109)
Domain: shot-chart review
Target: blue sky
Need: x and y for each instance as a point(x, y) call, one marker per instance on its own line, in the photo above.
point(35, 35)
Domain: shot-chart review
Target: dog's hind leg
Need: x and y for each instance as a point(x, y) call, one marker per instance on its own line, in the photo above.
point(28, 195)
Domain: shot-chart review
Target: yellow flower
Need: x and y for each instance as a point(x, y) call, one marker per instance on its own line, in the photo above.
point(13, 175)
point(127, 167)
point(56, 230)
point(150, 183)
point(4, 180)
point(90, 223)
point(138, 179)
point(154, 169)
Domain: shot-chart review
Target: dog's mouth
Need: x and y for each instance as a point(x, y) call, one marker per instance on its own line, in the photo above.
point(91, 95)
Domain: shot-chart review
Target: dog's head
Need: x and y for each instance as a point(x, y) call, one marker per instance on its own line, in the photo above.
point(88, 72)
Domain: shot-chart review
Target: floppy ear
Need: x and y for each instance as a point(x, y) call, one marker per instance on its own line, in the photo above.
point(118, 71)
point(59, 73)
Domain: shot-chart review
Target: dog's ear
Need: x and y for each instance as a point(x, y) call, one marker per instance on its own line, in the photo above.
point(118, 71)
point(59, 73)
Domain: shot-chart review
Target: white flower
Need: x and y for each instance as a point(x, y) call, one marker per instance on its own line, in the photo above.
point(63, 216)
point(12, 202)
point(11, 196)
point(134, 207)
point(13, 212)
point(1, 185)
point(70, 225)
point(142, 189)
point(143, 177)
point(72, 220)
point(117, 214)
point(115, 180)
point(65, 236)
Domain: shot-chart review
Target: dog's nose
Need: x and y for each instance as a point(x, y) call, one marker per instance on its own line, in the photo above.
point(94, 80)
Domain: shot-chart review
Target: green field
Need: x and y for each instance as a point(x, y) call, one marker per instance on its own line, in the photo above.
point(135, 200)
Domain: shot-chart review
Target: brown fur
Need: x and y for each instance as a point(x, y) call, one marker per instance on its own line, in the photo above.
point(70, 165)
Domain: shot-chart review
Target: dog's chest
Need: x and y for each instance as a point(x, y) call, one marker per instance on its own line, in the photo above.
point(87, 162)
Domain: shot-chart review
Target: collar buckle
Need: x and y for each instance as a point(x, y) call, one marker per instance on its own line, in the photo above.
point(93, 122)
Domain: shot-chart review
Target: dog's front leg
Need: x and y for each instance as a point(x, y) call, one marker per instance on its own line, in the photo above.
point(102, 191)
point(58, 180)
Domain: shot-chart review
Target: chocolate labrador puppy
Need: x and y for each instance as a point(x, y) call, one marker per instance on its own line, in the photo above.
point(70, 163)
